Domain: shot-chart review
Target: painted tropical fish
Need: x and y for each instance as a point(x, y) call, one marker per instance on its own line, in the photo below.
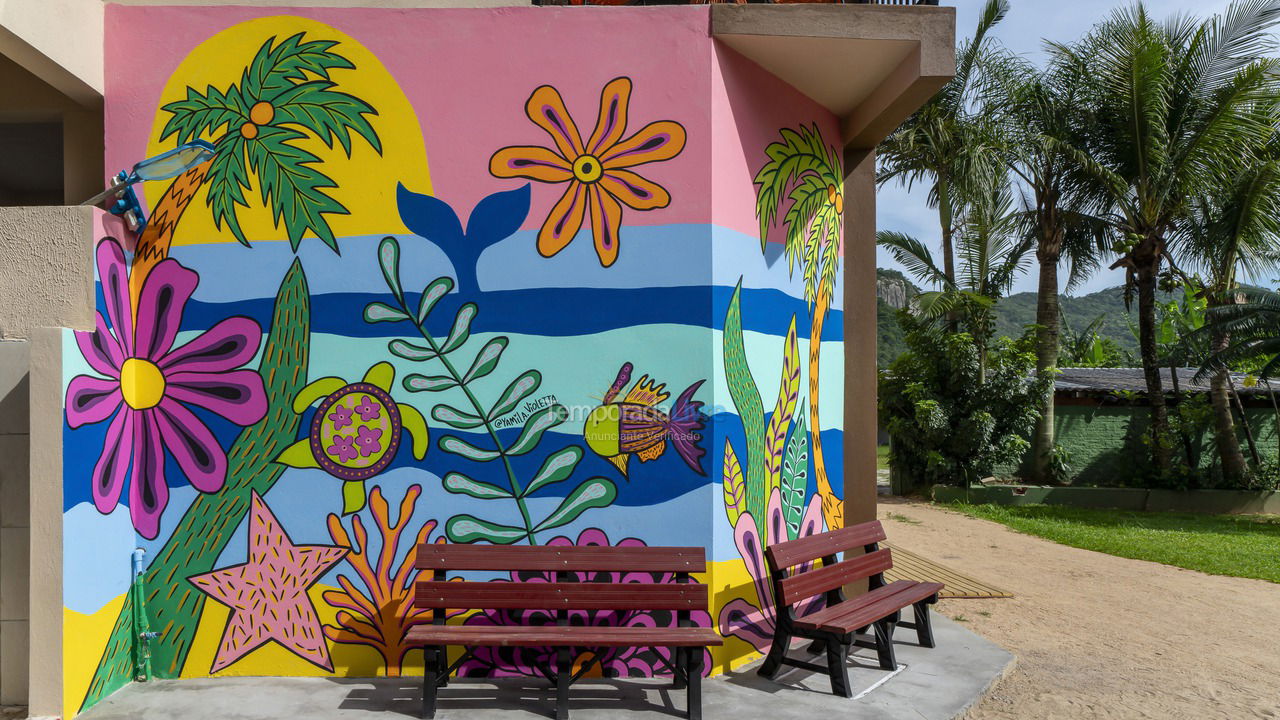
point(633, 425)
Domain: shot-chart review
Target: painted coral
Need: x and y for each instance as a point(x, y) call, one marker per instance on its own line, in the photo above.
point(616, 662)
point(356, 430)
point(755, 623)
point(151, 384)
point(599, 181)
point(381, 615)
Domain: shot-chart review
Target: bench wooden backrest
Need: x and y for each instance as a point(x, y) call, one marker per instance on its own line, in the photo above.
point(791, 585)
point(591, 558)
point(560, 594)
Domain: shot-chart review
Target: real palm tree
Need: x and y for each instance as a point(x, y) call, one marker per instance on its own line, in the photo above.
point(1170, 105)
point(944, 143)
point(1235, 231)
point(992, 248)
point(806, 172)
point(285, 94)
point(1253, 325)
point(1039, 113)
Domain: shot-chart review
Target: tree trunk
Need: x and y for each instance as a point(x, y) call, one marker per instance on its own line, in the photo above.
point(153, 244)
point(946, 219)
point(832, 506)
point(1146, 272)
point(1224, 429)
point(1048, 329)
point(1244, 421)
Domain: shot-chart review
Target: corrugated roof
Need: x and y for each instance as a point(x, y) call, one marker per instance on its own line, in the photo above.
point(1094, 380)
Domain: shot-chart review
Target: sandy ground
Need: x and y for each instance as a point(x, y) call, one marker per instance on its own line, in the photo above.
point(1098, 636)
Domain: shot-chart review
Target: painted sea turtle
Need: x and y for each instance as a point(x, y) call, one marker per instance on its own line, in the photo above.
point(356, 430)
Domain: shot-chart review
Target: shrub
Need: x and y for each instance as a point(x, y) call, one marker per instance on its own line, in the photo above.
point(949, 422)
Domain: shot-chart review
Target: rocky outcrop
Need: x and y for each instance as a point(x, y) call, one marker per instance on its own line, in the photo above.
point(893, 289)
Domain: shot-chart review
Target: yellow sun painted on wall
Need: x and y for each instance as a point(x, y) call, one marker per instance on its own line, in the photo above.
point(312, 135)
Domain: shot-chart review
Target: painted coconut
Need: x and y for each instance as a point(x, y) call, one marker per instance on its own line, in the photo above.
point(356, 430)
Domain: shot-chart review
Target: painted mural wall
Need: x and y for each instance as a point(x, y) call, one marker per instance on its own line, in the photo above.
point(425, 294)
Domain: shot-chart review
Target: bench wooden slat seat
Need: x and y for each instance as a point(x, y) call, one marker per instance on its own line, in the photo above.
point(858, 613)
point(559, 594)
point(551, 635)
point(835, 628)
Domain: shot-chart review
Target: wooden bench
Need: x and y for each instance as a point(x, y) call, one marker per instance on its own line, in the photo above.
point(834, 628)
point(687, 643)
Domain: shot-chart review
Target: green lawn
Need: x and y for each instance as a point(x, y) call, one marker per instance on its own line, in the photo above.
point(882, 457)
point(1239, 545)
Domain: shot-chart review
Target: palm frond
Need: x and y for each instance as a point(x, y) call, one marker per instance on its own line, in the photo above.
point(293, 77)
point(914, 256)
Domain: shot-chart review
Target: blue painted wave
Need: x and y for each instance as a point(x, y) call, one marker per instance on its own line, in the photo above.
point(649, 484)
point(554, 313)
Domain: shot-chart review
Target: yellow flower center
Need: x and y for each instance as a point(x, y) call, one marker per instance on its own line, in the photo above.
point(141, 383)
point(587, 168)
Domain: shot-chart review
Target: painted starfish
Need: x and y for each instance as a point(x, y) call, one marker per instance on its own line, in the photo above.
point(268, 594)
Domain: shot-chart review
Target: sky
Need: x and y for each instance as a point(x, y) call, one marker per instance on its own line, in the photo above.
point(1022, 31)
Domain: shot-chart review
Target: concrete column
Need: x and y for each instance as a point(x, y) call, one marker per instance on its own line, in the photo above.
point(45, 652)
point(82, 171)
point(14, 529)
point(860, 334)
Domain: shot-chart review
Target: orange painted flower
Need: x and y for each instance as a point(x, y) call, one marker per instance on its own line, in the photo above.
point(599, 183)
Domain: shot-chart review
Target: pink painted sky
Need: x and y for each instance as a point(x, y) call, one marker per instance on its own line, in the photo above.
point(468, 72)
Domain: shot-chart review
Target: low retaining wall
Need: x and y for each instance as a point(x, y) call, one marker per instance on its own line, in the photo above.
point(1217, 502)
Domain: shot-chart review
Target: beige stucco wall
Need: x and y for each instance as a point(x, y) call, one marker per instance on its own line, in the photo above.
point(338, 3)
point(14, 531)
point(60, 41)
point(44, 659)
point(46, 279)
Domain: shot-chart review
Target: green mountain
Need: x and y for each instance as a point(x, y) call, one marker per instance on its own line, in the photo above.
point(1016, 312)
point(1013, 314)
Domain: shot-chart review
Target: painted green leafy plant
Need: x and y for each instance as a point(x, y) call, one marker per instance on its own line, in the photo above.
point(777, 452)
point(284, 96)
point(459, 376)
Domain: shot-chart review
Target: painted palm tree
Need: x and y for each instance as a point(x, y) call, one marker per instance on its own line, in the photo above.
point(285, 95)
point(1173, 107)
point(806, 175)
point(992, 248)
point(944, 143)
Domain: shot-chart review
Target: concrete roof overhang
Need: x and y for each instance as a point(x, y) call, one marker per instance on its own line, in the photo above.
point(871, 65)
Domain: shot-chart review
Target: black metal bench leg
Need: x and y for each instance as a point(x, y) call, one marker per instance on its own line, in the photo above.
point(773, 661)
point(693, 666)
point(817, 647)
point(884, 644)
point(679, 659)
point(924, 627)
point(430, 680)
point(837, 668)
point(564, 670)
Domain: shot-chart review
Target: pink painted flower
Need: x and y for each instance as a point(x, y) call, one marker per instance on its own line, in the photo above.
point(368, 409)
point(739, 617)
point(614, 662)
point(369, 440)
point(343, 448)
point(341, 417)
point(150, 384)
